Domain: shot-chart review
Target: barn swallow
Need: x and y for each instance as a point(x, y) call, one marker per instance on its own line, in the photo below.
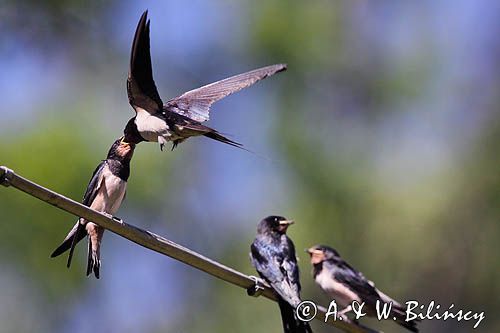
point(273, 256)
point(181, 117)
point(345, 284)
point(105, 193)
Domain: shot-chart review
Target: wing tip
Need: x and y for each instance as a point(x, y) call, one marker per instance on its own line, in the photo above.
point(142, 21)
point(141, 26)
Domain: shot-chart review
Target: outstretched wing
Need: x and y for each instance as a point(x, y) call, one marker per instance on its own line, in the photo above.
point(141, 87)
point(196, 103)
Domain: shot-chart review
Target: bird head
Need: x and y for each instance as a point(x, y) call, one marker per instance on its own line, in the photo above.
point(274, 224)
point(131, 133)
point(320, 253)
point(121, 150)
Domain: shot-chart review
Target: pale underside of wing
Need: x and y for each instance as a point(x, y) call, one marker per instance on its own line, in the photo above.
point(196, 103)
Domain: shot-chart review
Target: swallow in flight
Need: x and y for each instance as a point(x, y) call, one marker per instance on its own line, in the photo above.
point(182, 116)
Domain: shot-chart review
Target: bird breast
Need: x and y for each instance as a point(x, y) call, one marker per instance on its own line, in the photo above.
point(111, 193)
point(150, 127)
point(339, 291)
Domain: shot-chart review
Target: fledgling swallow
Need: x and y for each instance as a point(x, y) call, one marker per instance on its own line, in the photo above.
point(345, 284)
point(273, 255)
point(181, 117)
point(105, 193)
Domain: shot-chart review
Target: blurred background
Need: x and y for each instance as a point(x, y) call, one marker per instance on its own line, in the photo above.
point(381, 140)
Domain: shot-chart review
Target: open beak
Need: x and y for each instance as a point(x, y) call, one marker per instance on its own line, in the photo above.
point(122, 142)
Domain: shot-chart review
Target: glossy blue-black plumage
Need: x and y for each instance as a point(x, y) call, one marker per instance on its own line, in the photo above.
point(273, 255)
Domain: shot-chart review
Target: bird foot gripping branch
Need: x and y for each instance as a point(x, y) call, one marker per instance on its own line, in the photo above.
point(257, 289)
point(114, 218)
point(5, 176)
point(159, 244)
point(117, 219)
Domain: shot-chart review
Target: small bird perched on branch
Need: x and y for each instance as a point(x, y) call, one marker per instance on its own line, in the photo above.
point(273, 256)
point(346, 285)
point(105, 193)
point(181, 117)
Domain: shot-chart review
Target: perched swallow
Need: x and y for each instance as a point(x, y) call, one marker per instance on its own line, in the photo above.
point(345, 284)
point(181, 117)
point(105, 193)
point(273, 256)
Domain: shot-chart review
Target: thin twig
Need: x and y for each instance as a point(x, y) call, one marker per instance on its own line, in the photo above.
point(154, 242)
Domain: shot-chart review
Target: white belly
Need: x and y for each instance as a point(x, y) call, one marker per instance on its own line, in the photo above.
point(151, 127)
point(342, 294)
point(111, 193)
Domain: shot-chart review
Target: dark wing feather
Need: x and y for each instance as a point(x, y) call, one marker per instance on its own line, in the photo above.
point(278, 269)
point(141, 87)
point(290, 265)
point(77, 233)
point(356, 281)
point(196, 103)
point(94, 185)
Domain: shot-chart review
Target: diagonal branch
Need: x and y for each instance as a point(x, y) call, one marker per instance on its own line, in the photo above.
point(154, 242)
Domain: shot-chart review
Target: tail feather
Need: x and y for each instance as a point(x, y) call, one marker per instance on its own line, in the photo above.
point(79, 234)
point(93, 261)
point(291, 324)
point(399, 312)
point(75, 235)
point(218, 137)
point(409, 325)
point(400, 316)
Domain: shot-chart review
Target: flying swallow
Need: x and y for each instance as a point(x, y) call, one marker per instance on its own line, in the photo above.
point(273, 256)
point(180, 117)
point(345, 284)
point(105, 193)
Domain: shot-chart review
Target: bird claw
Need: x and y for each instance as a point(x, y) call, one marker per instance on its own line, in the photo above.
point(343, 314)
point(258, 287)
point(114, 218)
point(162, 141)
point(117, 219)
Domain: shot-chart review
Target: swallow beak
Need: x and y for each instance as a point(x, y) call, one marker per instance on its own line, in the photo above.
point(286, 223)
point(122, 142)
point(312, 251)
point(317, 256)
